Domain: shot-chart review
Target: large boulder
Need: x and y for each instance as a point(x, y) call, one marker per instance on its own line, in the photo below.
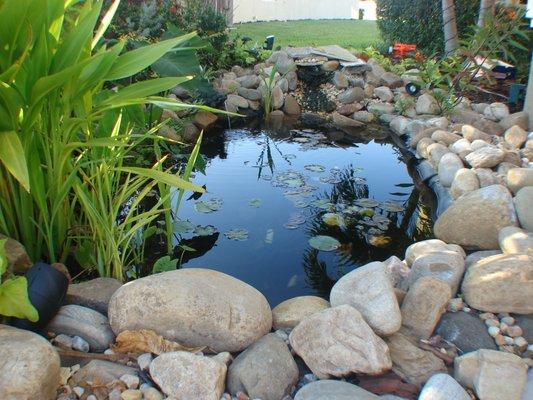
point(369, 290)
point(410, 362)
point(464, 181)
point(338, 342)
point(474, 219)
point(514, 240)
point(429, 246)
point(485, 157)
point(81, 321)
point(94, 294)
point(29, 366)
point(494, 375)
point(467, 332)
point(423, 306)
point(333, 390)
point(265, 370)
point(184, 375)
point(524, 211)
point(443, 387)
point(290, 313)
point(195, 307)
point(500, 283)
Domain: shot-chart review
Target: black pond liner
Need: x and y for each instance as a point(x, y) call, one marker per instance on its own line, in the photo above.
point(47, 288)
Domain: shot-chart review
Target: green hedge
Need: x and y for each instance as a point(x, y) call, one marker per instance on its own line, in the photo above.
point(420, 21)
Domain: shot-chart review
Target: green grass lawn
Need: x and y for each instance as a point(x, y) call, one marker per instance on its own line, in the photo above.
point(346, 33)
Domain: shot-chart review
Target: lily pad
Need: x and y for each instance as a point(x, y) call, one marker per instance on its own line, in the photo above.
point(205, 230)
point(315, 168)
point(391, 206)
point(323, 204)
point(368, 203)
point(208, 206)
point(324, 243)
point(183, 226)
point(256, 203)
point(237, 234)
point(379, 241)
point(333, 219)
point(366, 212)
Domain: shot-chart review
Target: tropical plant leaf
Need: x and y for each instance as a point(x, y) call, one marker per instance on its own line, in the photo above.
point(166, 178)
point(13, 158)
point(14, 300)
point(164, 264)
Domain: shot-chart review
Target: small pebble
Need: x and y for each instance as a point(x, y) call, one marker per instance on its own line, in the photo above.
point(145, 386)
point(63, 340)
point(494, 331)
point(109, 352)
point(503, 326)
point(115, 394)
point(144, 361)
point(503, 315)
point(486, 316)
point(508, 320)
point(500, 340)
point(508, 340)
point(131, 381)
point(131, 394)
point(152, 394)
point(91, 397)
point(226, 396)
point(80, 344)
point(521, 343)
point(514, 331)
point(455, 305)
point(492, 322)
point(529, 351)
point(78, 390)
point(467, 309)
point(508, 349)
point(242, 396)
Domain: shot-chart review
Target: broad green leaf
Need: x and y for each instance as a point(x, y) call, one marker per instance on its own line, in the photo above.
point(166, 178)
point(13, 158)
point(164, 264)
point(14, 300)
point(324, 243)
point(105, 22)
point(3, 258)
point(136, 60)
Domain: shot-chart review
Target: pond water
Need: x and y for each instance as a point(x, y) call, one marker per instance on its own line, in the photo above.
point(291, 213)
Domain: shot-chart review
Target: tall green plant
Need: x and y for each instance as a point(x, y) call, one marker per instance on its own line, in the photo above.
point(66, 131)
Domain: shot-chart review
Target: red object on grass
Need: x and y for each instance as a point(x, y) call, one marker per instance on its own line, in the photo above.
point(401, 50)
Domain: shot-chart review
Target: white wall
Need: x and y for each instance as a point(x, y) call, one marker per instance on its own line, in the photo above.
point(282, 10)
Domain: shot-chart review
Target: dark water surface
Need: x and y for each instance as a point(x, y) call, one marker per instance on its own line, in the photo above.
point(267, 198)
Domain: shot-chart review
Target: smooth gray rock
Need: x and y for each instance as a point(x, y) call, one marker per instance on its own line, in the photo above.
point(517, 178)
point(29, 366)
point(485, 157)
point(265, 370)
point(94, 294)
point(101, 371)
point(514, 240)
point(449, 164)
point(443, 387)
point(465, 331)
point(195, 307)
point(352, 95)
point(464, 181)
point(426, 104)
point(522, 202)
point(84, 322)
point(333, 390)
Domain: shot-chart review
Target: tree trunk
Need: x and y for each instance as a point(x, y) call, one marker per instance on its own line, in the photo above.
point(449, 25)
point(485, 7)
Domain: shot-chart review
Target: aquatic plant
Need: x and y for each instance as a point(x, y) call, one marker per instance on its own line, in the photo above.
point(67, 131)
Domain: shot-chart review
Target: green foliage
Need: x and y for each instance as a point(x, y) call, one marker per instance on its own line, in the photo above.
point(67, 132)
point(398, 68)
point(420, 21)
point(269, 81)
point(164, 264)
point(14, 301)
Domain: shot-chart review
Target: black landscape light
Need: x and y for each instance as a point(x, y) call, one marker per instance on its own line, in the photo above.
point(269, 42)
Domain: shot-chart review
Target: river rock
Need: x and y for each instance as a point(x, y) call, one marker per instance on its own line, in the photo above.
point(204, 119)
point(292, 79)
point(249, 81)
point(422, 147)
point(391, 80)
point(101, 372)
point(291, 106)
point(520, 118)
point(344, 122)
point(496, 111)
point(195, 307)
point(84, 322)
point(494, 375)
point(474, 257)
point(410, 362)
point(94, 294)
point(449, 164)
point(250, 94)
point(423, 306)
point(465, 331)
point(524, 211)
point(349, 109)
point(337, 342)
point(426, 104)
point(398, 272)
point(380, 108)
point(435, 152)
point(490, 127)
point(474, 219)
point(487, 177)
point(514, 240)
point(339, 80)
point(369, 290)
point(399, 125)
point(462, 146)
point(444, 137)
point(384, 93)
point(290, 313)
point(472, 133)
point(265, 370)
point(501, 283)
point(446, 266)
point(16, 255)
point(363, 116)
point(515, 136)
point(352, 95)
point(29, 366)
point(485, 157)
point(465, 181)
point(443, 387)
point(517, 178)
point(185, 375)
point(429, 246)
point(277, 98)
point(333, 390)
point(331, 65)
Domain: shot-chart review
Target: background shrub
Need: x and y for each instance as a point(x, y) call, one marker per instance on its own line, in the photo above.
point(420, 21)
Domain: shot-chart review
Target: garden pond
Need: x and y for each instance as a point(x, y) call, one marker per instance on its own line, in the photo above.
point(290, 212)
